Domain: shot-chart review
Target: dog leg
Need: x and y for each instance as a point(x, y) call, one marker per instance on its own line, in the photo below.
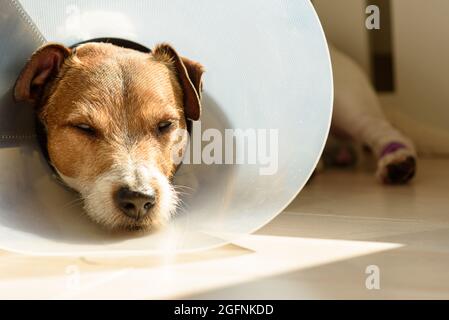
point(358, 113)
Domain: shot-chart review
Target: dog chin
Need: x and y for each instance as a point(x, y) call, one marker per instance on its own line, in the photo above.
point(115, 221)
point(100, 207)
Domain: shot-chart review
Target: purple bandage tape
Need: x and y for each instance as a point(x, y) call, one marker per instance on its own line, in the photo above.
point(392, 147)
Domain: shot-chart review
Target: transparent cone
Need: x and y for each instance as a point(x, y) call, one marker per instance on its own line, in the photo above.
point(268, 68)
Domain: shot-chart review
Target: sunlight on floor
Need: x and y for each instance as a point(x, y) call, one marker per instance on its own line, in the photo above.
point(262, 256)
point(320, 247)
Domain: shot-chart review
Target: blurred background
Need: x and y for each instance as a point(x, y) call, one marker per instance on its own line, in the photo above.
point(407, 59)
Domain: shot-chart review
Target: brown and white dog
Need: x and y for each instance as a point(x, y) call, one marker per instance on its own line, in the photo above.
point(111, 117)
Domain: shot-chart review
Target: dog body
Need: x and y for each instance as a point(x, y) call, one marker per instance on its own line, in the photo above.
point(113, 118)
point(358, 115)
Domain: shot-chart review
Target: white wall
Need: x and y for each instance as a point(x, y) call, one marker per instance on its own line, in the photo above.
point(343, 22)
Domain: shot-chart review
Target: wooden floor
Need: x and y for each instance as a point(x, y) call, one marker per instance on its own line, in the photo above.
point(342, 225)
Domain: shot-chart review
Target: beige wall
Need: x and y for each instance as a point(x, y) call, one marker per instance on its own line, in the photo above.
point(343, 22)
point(420, 104)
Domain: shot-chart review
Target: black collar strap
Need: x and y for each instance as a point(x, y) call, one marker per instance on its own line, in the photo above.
point(116, 41)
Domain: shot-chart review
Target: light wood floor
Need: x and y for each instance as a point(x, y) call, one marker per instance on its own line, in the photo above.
point(320, 247)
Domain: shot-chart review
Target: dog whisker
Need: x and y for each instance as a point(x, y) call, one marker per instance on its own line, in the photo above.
point(178, 186)
point(72, 203)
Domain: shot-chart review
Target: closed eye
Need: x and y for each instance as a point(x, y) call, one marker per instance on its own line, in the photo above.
point(164, 126)
point(85, 128)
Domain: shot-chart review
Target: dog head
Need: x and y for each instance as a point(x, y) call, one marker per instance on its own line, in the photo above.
point(115, 121)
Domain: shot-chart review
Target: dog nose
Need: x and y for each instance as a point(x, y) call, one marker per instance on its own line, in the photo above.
point(134, 204)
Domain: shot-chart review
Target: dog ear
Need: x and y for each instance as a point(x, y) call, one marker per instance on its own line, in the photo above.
point(189, 73)
point(43, 65)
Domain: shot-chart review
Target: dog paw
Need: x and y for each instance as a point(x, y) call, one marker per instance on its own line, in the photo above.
point(397, 166)
point(341, 156)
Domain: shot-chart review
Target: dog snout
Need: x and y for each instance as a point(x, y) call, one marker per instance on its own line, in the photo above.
point(134, 204)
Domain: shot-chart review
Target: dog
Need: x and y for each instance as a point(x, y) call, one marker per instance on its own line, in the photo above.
point(358, 116)
point(111, 117)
